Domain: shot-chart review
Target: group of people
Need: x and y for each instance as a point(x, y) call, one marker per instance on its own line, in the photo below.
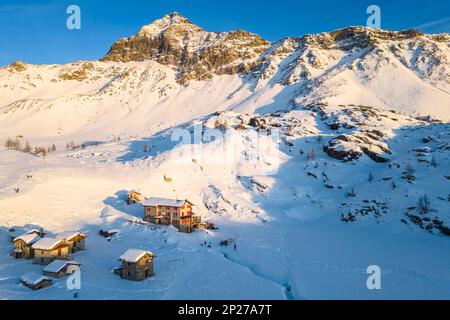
point(225, 243)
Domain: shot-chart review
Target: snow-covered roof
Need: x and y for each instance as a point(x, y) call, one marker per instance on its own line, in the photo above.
point(133, 255)
point(33, 278)
point(68, 235)
point(28, 238)
point(152, 202)
point(21, 231)
point(57, 265)
point(46, 243)
point(34, 231)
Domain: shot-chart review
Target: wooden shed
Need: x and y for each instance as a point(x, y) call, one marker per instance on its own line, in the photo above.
point(75, 239)
point(60, 268)
point(134, 197)
point(196, 220)
point(207, 225)
point(35, 281)
point(23, 245)
point(137, 264)
point(47, 250)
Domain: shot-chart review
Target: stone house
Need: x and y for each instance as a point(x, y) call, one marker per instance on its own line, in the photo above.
point(23, 245)
point(35, 281)
point(169, 212)
point(47, 250)
point(136, 264)
point(60, 268)
point(75, 239)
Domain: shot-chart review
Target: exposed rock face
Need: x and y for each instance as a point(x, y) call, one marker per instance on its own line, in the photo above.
point(365, 37)
point(354, 66)
point(18, 66)
point(361, 130)
point(350, 147)
point(361, 49)
point(315, 62)
point(79, 74)
point(354, 37)
point(198, 54)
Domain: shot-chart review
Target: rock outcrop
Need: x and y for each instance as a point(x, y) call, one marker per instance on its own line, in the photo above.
point(18, 66)
point(348, 147)
point(196, 53)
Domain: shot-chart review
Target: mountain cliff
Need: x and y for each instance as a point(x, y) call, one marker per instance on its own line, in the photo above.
point(198, 54)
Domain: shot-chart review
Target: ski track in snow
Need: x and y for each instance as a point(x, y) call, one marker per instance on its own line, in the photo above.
point(253, 269)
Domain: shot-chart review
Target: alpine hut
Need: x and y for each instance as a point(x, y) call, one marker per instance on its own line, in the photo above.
point(75, 239)
point(169, 212)
point(23, 245)
point(47, 250)
point(137, 264)
point(35, 281)
point(60, 268)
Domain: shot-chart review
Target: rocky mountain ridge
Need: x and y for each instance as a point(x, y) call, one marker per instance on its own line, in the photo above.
point(174, 69)
point(174, 40)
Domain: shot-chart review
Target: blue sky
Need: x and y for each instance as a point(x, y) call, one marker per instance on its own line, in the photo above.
point(35, 31)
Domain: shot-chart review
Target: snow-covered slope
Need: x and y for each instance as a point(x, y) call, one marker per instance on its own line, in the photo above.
point(309, 152)
point(172, 71)
point(307, 223)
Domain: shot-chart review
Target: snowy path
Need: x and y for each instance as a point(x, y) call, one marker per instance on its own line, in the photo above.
point(254, 270)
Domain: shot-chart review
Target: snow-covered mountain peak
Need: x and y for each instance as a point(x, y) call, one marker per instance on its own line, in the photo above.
point(193, 52)
point(155, 28)
point(176, 70)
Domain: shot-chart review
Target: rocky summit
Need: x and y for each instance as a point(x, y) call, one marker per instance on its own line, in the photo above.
point(196, 53)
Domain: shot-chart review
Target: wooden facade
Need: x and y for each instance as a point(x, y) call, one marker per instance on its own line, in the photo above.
point(23, 245)
point(78, 243)
point(46, 252)
point(35, 281)
point(22, 250)
point(59, 268)
point(169, 212)
point(76, 240)
point(196, 221)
